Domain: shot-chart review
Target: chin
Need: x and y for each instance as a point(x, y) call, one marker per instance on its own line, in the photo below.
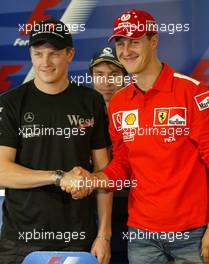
point(48, 81)
point(130, 68)
point(130, 71)
point(49, 78)
point(133, 71)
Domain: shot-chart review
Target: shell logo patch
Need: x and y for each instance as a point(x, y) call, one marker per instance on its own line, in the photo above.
point(130, 119)
point(170, 116)
point(125, 119)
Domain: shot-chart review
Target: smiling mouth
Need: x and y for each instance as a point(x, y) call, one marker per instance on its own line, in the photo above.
point(130, 59)
point(48, 70)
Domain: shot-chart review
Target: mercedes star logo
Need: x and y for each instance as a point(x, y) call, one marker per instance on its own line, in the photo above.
point(29, 117)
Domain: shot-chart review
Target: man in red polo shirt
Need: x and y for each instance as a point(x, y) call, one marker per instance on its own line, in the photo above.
point(159, 126)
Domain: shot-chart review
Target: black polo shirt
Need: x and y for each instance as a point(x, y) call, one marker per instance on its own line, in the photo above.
point(51, 132)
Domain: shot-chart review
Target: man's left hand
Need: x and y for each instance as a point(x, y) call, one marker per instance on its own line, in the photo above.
point(205, 246)
point(101, 249)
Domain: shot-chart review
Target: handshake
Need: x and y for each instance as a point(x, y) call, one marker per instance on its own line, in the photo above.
point(80, 183)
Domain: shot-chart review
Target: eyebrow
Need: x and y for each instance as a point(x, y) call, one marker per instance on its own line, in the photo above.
point(40, 51)
point(112, 72)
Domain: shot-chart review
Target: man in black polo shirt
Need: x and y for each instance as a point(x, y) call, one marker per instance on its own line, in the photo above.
point(47, 127)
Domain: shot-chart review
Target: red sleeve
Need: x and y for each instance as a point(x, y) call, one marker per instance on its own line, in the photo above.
point(199, 118)
point(119, 168)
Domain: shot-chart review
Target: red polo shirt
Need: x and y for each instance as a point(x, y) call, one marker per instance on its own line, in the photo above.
point(161, 140)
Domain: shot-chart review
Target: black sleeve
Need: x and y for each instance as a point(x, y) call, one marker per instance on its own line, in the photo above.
point(8, 125)
point(100, 136)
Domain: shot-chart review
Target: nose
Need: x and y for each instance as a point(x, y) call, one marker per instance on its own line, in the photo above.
point(45, 60)
point(105, 80)
point(126, 49)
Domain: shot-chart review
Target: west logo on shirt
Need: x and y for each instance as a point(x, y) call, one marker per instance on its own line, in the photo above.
point(202, 100)
point(170, 116)
point(126, 119)
point(77, 120)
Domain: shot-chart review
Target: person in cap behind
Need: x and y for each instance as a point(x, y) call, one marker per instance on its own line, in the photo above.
point(107, 72)
point(159, 126)
point(48, 128)
point(109, 76)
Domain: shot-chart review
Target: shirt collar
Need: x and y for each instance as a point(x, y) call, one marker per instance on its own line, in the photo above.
point(162, 84)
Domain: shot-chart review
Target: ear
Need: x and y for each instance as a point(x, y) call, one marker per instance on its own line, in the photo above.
point(71, 54)
point(30, 52)
point(154, 41)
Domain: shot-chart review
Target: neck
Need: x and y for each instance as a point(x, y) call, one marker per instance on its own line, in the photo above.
point(146, 78)
point(52, 88)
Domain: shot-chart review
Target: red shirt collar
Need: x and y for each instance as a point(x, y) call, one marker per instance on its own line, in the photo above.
point(162, 84)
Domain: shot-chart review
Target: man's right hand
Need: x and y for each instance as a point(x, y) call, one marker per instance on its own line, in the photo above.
point(75, 182)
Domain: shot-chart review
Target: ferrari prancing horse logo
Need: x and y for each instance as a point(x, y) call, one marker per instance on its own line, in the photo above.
point(162, 116)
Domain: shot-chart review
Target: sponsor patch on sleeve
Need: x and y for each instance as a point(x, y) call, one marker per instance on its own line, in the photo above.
point(202, 101)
